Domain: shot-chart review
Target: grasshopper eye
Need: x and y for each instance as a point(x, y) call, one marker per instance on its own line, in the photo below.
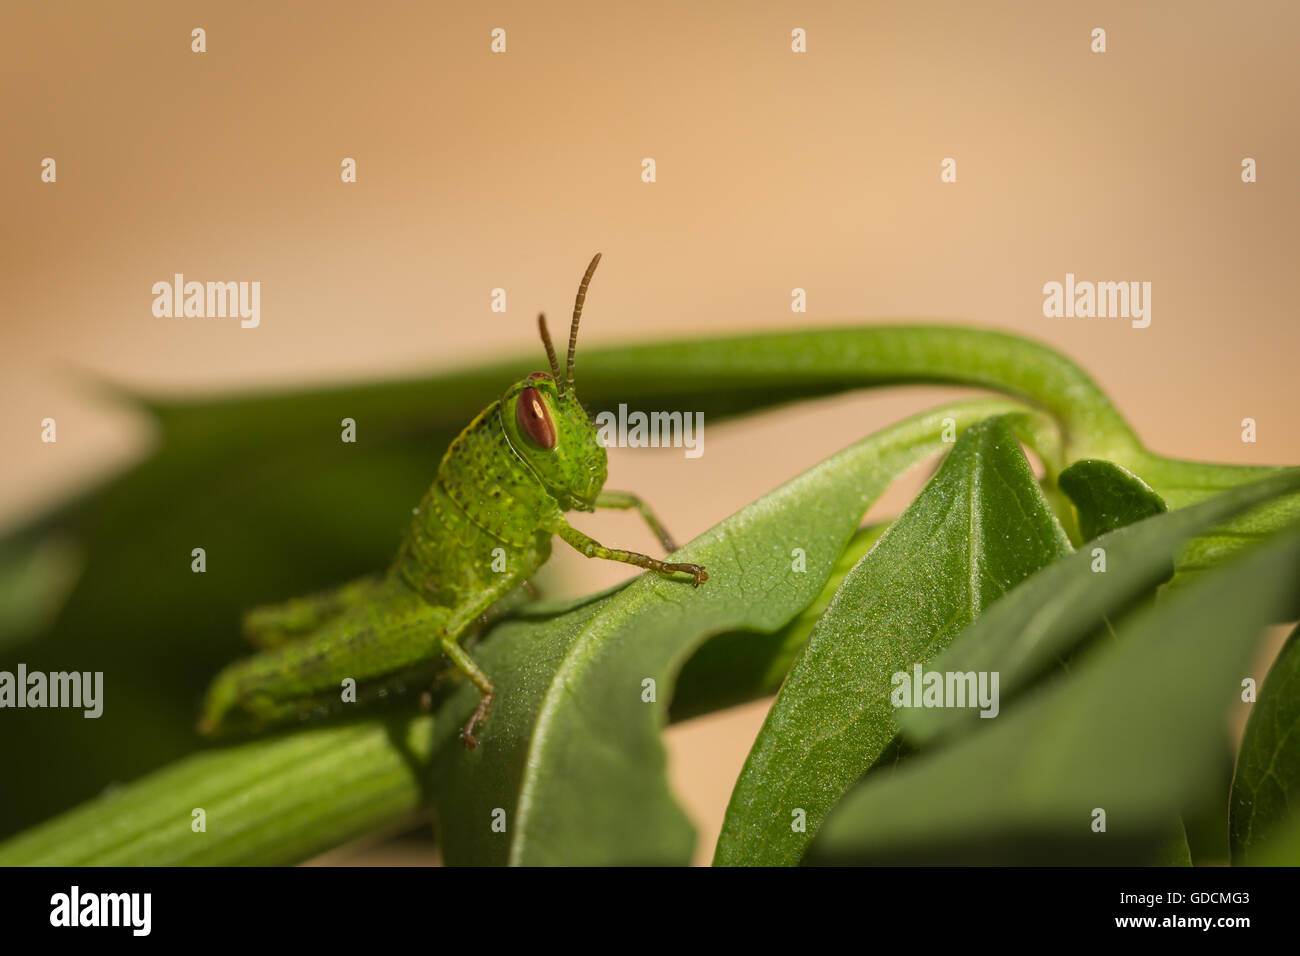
point(534, 419)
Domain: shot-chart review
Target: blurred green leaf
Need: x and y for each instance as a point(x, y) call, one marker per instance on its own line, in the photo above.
point(36, 577)
point(1133, 730)
point(1266, 789)
point(1205, 824)
point(978, 528)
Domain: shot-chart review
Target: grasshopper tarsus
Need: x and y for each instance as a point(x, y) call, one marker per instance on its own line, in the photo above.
point(480, 715)
point(697, 573)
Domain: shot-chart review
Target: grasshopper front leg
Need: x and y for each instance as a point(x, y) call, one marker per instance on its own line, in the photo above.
point(625, 501)
point(591, 548)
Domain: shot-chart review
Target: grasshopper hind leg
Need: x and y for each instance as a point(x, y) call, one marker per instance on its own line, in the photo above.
point(379, 633)
point(274, 625)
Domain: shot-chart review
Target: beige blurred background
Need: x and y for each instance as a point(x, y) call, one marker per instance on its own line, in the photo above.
point(775, 170)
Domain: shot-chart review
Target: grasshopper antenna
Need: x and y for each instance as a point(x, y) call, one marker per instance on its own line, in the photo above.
point(550, 350)
point(577, 314)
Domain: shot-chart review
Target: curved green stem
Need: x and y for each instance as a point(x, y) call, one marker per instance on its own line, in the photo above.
point(833, 359)
point(764, 369)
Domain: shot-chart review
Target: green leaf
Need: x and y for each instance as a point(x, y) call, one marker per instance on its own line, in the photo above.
point(573, 754)
point(1027, 633)
point(978, 528)
point(1266, 788)
point(1181, 484)
point(1107, 496)
point(740, 666)
point(1133, 730)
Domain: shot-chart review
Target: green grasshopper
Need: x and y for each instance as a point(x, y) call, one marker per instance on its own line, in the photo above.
point(483, 528)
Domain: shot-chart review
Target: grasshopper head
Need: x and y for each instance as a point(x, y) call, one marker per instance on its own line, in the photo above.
point(548, 427)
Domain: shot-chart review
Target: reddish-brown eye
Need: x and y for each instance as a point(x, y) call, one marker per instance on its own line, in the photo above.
point(535, 419)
